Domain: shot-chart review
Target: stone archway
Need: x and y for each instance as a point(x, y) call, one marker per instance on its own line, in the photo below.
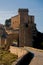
point(15, 40)
point(12, 39)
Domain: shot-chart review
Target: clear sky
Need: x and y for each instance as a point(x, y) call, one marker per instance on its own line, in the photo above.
point(9, 8)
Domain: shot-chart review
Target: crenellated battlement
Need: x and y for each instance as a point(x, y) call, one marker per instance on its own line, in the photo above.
point(23, 10)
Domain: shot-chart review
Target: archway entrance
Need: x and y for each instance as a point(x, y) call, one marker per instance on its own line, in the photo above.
point(15, 40)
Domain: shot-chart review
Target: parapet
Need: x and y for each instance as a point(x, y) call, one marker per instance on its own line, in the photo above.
point(23, 11)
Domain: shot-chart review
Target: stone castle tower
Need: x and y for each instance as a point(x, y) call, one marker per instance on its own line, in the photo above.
point(23, 24)
point(25, 32)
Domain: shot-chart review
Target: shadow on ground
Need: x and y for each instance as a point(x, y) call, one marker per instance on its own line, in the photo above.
point(26, 59)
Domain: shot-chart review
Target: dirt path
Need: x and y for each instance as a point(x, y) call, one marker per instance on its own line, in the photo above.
point(29, 59)
point(38, 56)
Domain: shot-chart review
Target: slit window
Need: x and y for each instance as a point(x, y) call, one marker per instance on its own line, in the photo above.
point(26, 25)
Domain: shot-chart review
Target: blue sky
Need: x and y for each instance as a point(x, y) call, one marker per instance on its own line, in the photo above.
point(9, 8)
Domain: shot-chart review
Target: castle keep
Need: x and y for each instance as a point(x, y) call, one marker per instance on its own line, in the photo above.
point(21, 28)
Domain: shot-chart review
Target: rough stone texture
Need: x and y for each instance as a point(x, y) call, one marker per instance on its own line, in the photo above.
point(25, 35)
point(25, 24)
point(18, 51)
point(22, 28)
point(15, 22)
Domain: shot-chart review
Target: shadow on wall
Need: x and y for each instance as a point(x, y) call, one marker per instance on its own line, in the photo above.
point(38, 41)
point(26, 59)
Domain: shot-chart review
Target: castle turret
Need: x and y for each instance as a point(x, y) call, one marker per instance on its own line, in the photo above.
point(25, 35)
point(23, 11)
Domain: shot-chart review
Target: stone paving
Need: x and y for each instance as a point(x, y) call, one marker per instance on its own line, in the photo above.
point(38, 56)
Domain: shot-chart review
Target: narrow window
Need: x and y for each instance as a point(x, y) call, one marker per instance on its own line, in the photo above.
point(26, 25)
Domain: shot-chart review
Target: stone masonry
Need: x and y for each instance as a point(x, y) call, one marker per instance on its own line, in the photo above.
point(23, 26)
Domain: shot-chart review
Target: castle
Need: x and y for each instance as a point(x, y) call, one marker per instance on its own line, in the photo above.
point(20, 28)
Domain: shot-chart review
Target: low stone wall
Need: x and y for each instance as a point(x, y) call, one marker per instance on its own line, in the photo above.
point(20, 51)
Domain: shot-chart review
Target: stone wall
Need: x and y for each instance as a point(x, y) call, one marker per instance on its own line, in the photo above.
point(15, 21)
point(18, 51)
point(24, 23)
point(25, 33)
